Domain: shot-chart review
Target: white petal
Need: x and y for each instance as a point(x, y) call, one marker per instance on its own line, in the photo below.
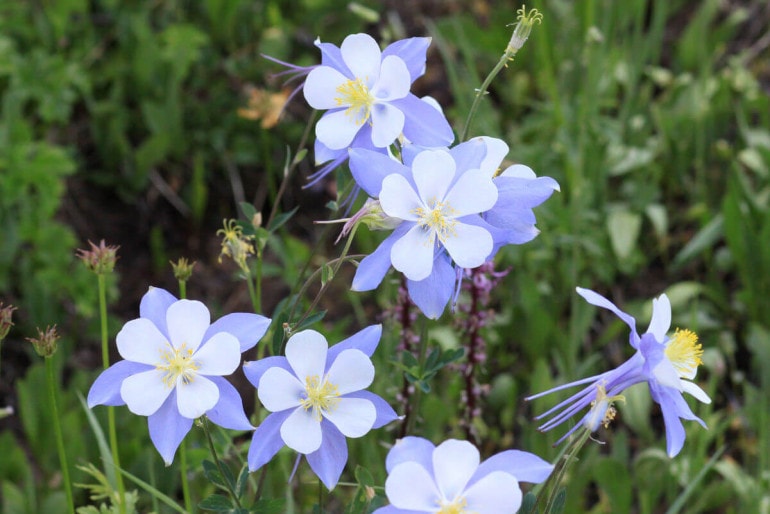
point(410, 486)
point(519, 171)
point(351, 371)
point(196, 397)
point(495, 493)
point(474, 192)
point(433, 171)
point(362, 55)
point(280, 390)
point(387, 124)
point(469, 246)
point(661, 318)
point(665, 373)
point(145, 392)
point(412, 255)
point(354, 417)
point(306, 353)
point(398, 199)
point(140, 341)
point(454, 463)
point(337, 129)
point(321, 87)
point(221, 355)
point(302, 431)
point(696, 391)
point(395, 80)
point(497, 149)
point(187, 322)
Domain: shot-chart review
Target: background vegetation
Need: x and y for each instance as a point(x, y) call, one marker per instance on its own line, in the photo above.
point(119, 120)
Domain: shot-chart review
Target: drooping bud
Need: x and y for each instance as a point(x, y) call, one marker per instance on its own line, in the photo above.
point(46, 341)
point(99, 259)
point(6, 313)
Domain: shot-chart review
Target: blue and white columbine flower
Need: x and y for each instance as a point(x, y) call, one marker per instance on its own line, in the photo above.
point(366, 94)
point(317, 398)
point(667, 364)
point(496, 206)
point(174, 363)
point(450, 479)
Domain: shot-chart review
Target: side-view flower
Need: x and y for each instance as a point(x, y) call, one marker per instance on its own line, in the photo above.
point(317, 398)
point(173, 367)
point(449, 478)
point(666, 363)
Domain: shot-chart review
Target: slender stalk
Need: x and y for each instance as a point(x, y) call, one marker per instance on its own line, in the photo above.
point(418, 391)
point(214, 454)
point(183, 447)
point(551, 486)
point(110, 410)
point(320, 497)
point(65, 470)
point(480, 92)
point(183, 476)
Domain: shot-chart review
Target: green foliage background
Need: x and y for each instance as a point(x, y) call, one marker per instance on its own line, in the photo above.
point(119, 120)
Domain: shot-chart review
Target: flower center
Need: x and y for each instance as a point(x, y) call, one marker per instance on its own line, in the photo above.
point(321, 396)
point(437, 218)
point(456, 507)
point(356, 95)
point(684, 352)
point(178, 364)
point(602, 411)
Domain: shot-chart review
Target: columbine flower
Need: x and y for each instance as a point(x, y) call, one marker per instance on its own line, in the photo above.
point(468, 180)
point(173, 368)
point(666, 363)
point(448, 478)
point(366, 92)
point(317, 398)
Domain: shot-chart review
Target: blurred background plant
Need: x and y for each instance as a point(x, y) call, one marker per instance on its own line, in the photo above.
point(148, 123)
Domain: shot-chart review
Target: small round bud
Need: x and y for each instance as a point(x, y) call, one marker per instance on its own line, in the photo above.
point(46, 342)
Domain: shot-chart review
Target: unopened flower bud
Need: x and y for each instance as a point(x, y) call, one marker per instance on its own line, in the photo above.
point(6, 313)
point(99, 259)
point(182, 269)
point(46, 341)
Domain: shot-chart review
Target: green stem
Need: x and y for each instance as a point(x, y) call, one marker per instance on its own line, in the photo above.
point(110, 410)
point(182, 289)
point(480, 92)
point(213, 450)
point(417, 398)
point(551, 486)
point(65, 470)
point(183, 476)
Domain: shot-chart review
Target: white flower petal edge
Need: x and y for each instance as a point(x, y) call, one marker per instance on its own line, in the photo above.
point(321, 87)
point(469, 246)
point(394, 82)
point(412, 255)
point(301, 431)
point(387, 124)
point(398, 199)
point(140, 341)
point(696, 391)
point(145, 392)
point(496, 493)
point(221, 355)
point(454, 463)
point(362, 55)
point(354, 417)
point(195, 397)
point(306, 353)
point(661, 318)
point(279, 390)
point(187, 322)
point(351, 371)
point(336, 129)
point(410, 486)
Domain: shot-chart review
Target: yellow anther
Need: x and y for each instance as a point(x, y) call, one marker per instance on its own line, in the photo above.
point(437, 218)
point(178, 364)
point(459, 506)
point(321, 396)
point(356, 95)
point(684, 352)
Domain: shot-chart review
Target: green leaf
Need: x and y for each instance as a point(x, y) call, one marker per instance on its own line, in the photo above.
point(212, 474)
point(248, 210)
point(281, 219)
point(706, 238)
point(327, 274)
point(217, 503)
point(363, 477)
point(313, 318)
point(268, 506)
point(528, 504)
point(623, 226)
point(243, 480)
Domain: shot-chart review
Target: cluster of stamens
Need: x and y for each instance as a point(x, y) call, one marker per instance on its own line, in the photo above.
point(437, 218)
point(355, 94)
point(322, 396)
point(178, 364)
point(684, 352)
point(456, 507)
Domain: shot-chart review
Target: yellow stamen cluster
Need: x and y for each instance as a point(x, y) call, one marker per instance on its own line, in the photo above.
point(322, 396)
point(456, 507)
point(603, 406)
point(355, 94)
point(178, 363)
point(684, 352)
point(437, 218)
point(235, 244)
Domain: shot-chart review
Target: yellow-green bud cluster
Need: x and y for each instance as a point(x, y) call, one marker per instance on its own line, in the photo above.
point(183, 269)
